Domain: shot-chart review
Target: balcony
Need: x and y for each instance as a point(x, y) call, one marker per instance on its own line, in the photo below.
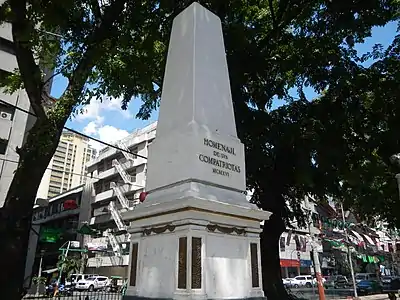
point(142, 135)
point(126, 166)
point(108, 261)
point(5, 128)
point(107, 195)
point(58, 215)
point(104, 218)
point(5, 31)
point(8, 61)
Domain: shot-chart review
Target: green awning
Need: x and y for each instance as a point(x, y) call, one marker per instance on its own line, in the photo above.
point(86, 230)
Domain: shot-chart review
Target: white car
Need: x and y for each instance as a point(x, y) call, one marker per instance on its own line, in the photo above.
point(302, 280)
point(287, 281)
point(74, 278)
point(93, 283)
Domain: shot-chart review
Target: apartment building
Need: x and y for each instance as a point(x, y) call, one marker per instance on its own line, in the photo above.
point(296, 245)
point(66, 169)
point(14, 123)
point(53, 225)
point(117, 180)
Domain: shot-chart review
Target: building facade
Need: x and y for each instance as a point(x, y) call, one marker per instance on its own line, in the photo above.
point(13, 123)
point(66, 169)
point(53, 226)
point(118, 178)
point(296, 246)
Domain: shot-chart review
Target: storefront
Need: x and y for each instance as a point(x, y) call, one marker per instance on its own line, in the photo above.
point(290, 268)
point(306, 267)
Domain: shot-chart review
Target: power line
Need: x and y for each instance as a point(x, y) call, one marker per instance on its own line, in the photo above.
point(77, 132)
point(51, 169)
point(64, 171)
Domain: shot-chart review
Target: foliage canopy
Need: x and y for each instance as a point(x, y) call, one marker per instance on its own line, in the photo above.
point(337, 145)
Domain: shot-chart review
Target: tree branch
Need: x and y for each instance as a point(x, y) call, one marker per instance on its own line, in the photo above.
point(95, 6)
point(271, 8)
point(105, 30)
point(30, 71)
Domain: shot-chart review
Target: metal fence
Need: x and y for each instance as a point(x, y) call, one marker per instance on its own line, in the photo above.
point(77, 295)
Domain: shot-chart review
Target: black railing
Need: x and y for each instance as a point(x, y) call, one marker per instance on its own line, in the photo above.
point(77, 295)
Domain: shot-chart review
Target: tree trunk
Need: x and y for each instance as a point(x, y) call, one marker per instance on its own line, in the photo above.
point(270, 261)
point(16, 214)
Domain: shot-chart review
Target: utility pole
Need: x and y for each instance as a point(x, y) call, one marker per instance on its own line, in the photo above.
point(317, 265)
point(396, 254)
point(40, 272)
point(348, 252)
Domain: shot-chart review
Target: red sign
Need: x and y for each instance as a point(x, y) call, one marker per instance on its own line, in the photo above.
point(290, 263)
point(70, 204)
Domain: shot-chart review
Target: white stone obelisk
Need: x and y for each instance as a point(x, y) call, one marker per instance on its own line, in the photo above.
point(196, 236)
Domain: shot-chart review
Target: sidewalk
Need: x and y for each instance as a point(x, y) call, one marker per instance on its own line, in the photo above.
point(371, 297)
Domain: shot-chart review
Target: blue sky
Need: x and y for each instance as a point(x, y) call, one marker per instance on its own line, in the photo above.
point(107, 122)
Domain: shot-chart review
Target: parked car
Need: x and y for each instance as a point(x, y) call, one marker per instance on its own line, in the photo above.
point(368, 287)
point(366, 276)
point(74, 278)
point(303, 280)
point(387, 279)
point(93, 283)
point(393, 288)
point(336, 282)
point(287, 282)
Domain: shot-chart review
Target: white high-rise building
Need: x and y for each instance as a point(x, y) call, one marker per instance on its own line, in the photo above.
point(118, 180)
point(66, 169)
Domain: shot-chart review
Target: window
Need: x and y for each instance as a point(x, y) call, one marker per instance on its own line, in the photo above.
point(108, 164)
point(134, 150)
point(303, 244)
point(97, 187)
point(133, 196)
point(300, 278)
point(7, 46)
point(101, 278)
point(3, 146)
point(132, 173)
point(106, 185)
point(297, 240)
point(282, 244)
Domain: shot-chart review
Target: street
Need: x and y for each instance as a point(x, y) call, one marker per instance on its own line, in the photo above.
point(312, 293)
point(85, 295)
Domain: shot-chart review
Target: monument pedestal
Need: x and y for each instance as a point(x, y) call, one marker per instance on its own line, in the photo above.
point(195, 249)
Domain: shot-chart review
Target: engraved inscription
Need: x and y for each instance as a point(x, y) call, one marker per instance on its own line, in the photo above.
point(220, 159)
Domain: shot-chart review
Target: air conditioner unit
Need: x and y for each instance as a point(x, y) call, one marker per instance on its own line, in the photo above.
point(5, 115)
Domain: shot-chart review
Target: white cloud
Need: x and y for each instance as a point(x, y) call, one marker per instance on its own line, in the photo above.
point(96, 128)
point(110, 134)
point(96, 107)
point(106, 133)
point(92, 127)
point(96, 145)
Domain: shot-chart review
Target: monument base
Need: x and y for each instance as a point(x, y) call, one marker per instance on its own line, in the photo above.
point(144, 298)
point(195, 249)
